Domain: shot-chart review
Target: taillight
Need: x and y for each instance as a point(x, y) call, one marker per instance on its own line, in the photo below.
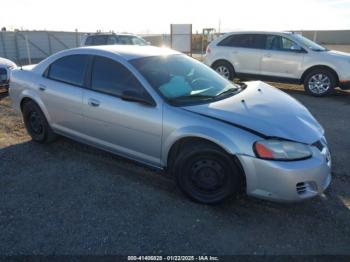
point(208, 50)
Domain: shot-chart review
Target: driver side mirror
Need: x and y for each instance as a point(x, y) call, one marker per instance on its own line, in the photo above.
point(297, 48)
point(138, 97)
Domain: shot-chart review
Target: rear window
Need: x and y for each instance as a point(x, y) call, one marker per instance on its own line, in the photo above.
point(244, 40)
point(69, 69)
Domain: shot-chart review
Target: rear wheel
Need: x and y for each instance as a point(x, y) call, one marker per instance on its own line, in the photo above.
point(206, 174)
point(225, 69)
point(320, 82)
point(36, 123)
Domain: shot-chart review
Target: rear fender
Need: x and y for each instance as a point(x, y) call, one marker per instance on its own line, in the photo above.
point(31, 94)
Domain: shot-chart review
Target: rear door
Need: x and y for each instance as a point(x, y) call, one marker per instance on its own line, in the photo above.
point(61, 90)
point(244, 51)
point(282, 57)
point(130, 128)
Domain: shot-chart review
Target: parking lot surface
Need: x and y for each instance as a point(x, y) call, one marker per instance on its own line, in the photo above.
point(68, 198)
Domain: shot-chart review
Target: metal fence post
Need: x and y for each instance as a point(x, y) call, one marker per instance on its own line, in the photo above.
point(3, 44)
point(49, 42)
point(76, 38)
point(315, 36)
point(28, 50)
point(18, 60)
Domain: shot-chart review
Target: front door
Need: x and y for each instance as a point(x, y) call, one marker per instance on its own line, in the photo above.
point(282, 57)
point(130, 128)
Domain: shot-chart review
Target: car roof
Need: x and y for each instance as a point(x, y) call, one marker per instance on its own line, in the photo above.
point(261, 32)
point(129, 52)
point(126, 52)
point(107, 34)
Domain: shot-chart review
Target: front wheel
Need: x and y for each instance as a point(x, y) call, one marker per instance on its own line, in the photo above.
point(206, 174)
point(320, 82)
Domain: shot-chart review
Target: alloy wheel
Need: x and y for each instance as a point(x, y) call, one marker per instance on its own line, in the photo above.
point(319, 83)
point(224, 71)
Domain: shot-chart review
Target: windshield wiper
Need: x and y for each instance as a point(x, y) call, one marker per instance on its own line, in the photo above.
point(320, 50)
point(228, 91)
point(191, 96)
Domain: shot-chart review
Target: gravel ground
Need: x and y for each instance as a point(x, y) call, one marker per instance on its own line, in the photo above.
point(68, 198)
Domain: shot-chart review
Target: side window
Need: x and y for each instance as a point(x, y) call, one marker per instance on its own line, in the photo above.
point(287, 44)
point(69, 69)
point(124, 40)
point(230, 40)
point(244, 40)
point(112, 40)
point(109, 76)
point(258, 41)
point(275, 42)
point(272, 42)
point(99, 40)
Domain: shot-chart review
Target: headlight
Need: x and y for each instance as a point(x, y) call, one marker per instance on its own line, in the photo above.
point(281, 150)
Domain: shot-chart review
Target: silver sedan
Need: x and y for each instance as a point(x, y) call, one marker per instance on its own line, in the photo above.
point(169, 111)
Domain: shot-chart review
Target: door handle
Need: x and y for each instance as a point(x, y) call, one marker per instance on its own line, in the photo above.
point(42, 87)
point(93, 102)
point(268, 55)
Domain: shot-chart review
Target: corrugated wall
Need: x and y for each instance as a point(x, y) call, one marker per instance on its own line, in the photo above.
point(335, 37)
point(22, 46)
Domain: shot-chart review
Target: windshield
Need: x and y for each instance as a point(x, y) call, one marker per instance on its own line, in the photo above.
point(181, 79)
point(138, 41)
point(309, 44)
point(131, 40)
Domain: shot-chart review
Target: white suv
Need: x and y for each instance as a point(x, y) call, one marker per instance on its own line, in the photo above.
point(280, 57)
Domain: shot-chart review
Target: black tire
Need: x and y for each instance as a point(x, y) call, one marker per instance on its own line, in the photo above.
point(36, 123)
point(320, 82)
point(225, 69)
point(206, 174)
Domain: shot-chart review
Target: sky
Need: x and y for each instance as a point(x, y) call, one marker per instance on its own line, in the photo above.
point(155, 16)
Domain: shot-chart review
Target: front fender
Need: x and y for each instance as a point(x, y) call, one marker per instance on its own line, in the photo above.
point(209, 134)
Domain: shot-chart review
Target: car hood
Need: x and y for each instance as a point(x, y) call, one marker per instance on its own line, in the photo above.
point(338, 54)
point(6, 62)
point(264, 109)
